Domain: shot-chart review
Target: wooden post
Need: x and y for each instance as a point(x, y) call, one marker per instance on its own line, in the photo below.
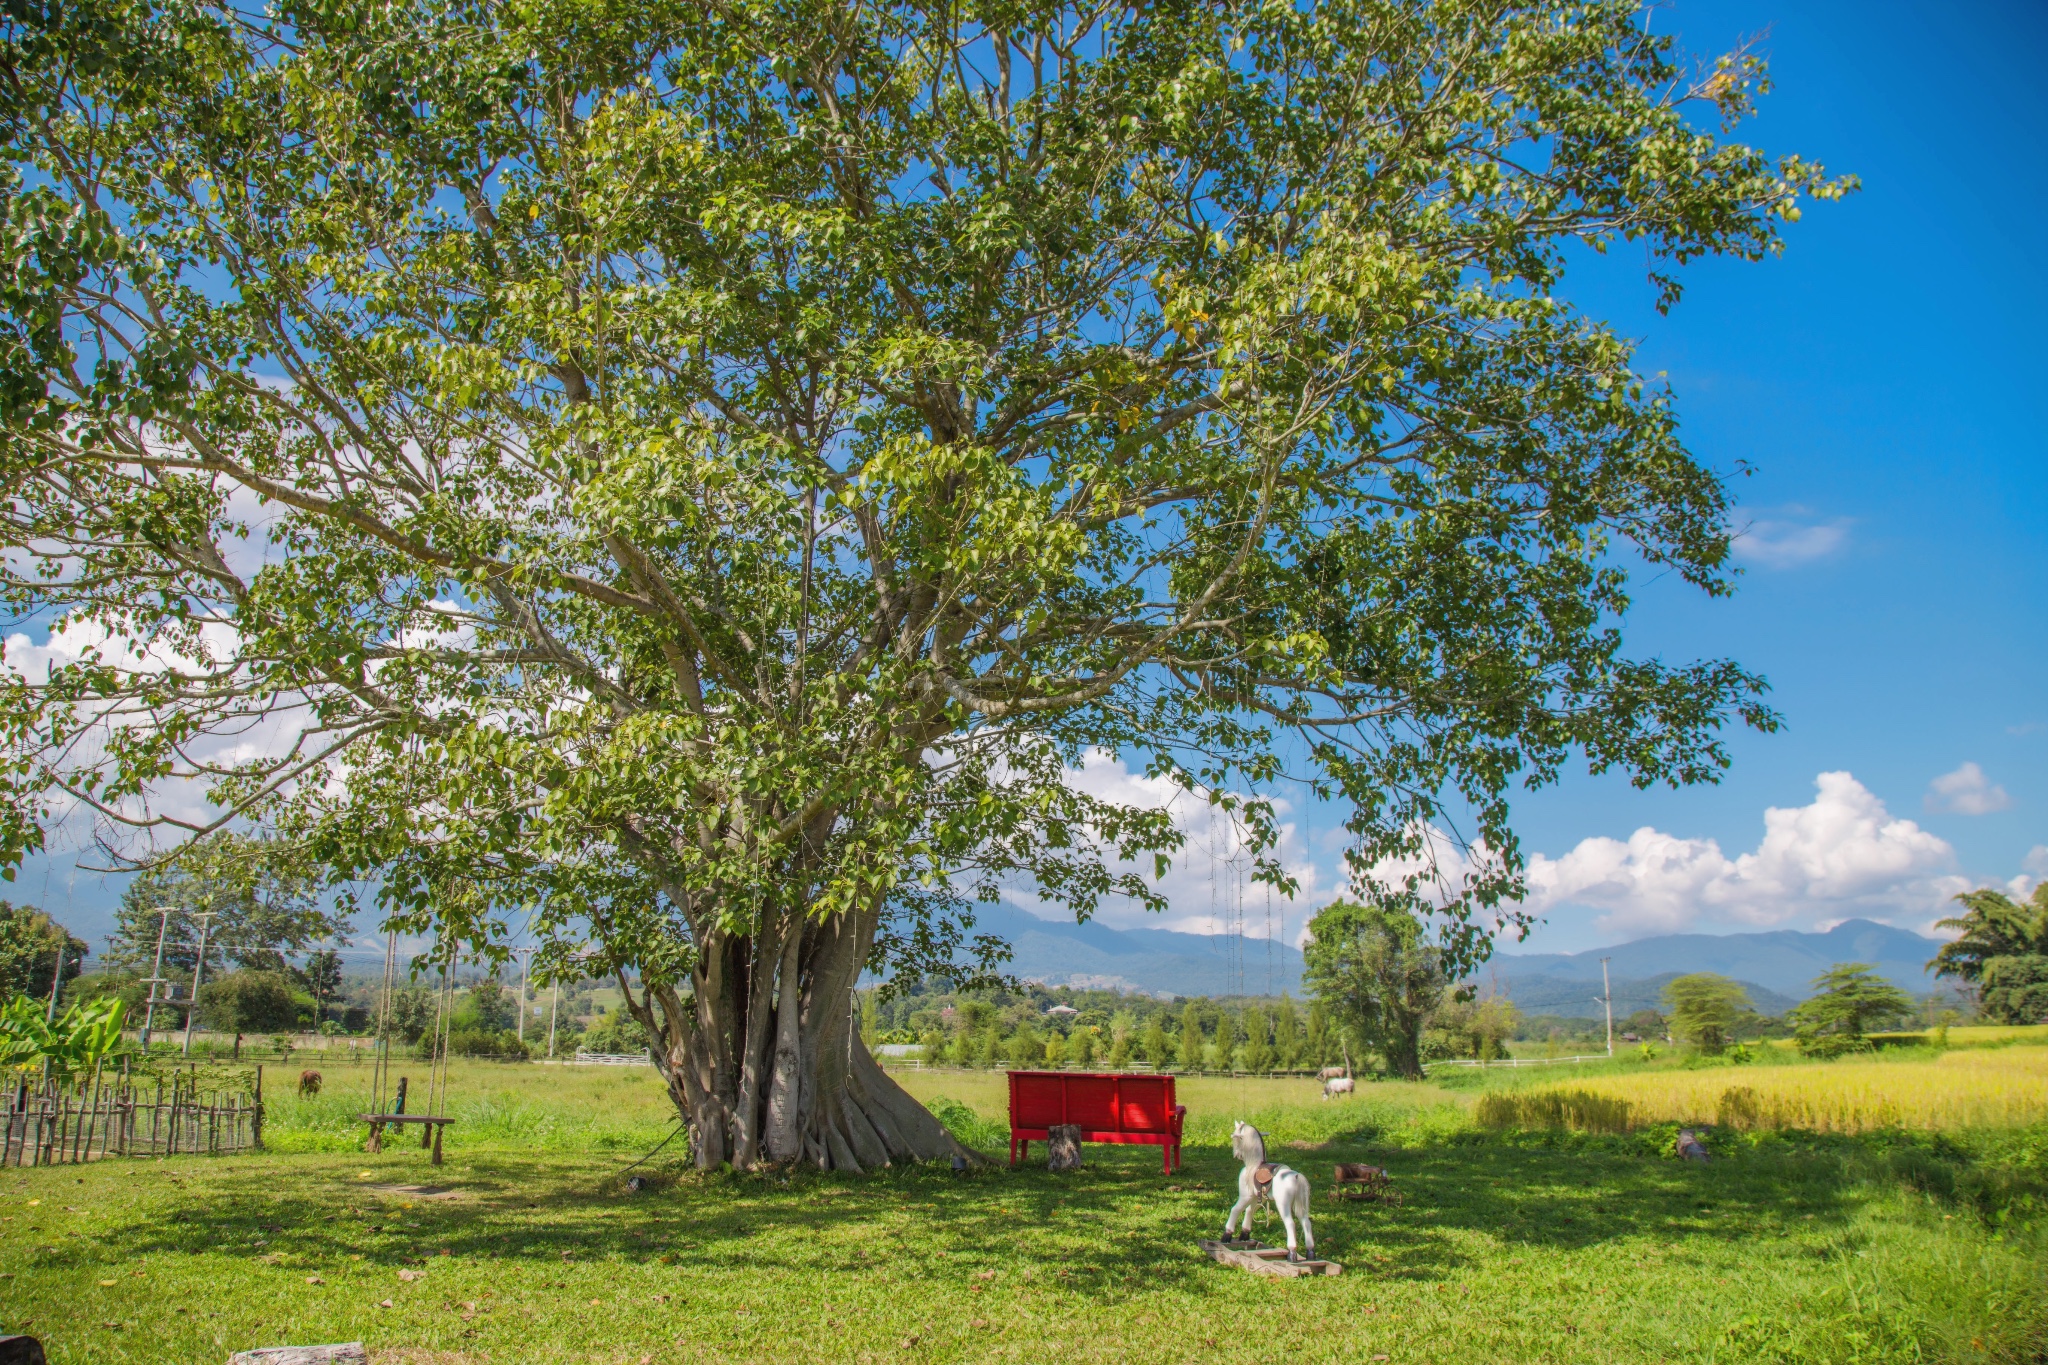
point(256, 1116)
point(437, 1127)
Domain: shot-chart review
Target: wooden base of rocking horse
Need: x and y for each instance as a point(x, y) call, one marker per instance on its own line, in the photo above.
point(1260, 1260)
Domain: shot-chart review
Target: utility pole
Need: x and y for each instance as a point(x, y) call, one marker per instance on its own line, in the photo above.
point(525, 975)
point(198, 970)
point(156, 972)
point(1607, 999)
point(553, 1009)
point(56, 978)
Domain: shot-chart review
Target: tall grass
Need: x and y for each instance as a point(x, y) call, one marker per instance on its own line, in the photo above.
point(2001, 1088)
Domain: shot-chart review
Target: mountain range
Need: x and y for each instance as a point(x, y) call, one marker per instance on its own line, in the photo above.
point(1775, 966)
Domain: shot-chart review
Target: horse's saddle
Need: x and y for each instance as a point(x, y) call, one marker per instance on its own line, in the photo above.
point(1263, 1176)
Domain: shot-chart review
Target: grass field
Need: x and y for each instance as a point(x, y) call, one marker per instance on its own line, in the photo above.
point(1517, 1246)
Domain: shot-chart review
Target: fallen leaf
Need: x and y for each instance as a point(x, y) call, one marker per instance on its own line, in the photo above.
point(594, 1302)
point(412, 1275)
point(314, 1279)
point(908, 1342)
point(105, 1283)
point(978, 1323)
point(384, 1303)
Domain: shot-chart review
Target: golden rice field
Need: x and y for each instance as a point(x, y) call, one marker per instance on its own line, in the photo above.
point(1992, 1088)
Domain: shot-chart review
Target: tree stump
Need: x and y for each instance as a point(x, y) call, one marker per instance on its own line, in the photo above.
point(22, 1350)
point(350, 1353)
point(1063, 1144)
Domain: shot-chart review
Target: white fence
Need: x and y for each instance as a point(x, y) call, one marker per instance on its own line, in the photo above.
point(1521, 1061)
point(613, 1059)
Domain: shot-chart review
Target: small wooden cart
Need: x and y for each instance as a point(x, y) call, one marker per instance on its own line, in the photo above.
point(1356, 1180)
point(430, 1132)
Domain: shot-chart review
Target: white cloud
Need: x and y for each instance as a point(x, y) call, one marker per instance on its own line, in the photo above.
point(1966, 791)
point(1208, 888)
point(2036, 860)
point(1842, 855)
point(1788, 539)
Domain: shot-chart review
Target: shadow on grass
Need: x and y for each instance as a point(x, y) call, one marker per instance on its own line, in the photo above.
point(1114, 1229)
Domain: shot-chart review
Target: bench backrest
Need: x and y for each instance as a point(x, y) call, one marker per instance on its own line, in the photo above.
point(1099, 1101)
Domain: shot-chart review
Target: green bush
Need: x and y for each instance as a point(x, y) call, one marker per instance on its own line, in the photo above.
point(617, 1033)
point(501, 1044)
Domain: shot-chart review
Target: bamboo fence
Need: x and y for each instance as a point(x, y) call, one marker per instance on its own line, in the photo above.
point(50, 1123)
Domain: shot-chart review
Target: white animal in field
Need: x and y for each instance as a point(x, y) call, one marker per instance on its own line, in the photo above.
point(1261, 1181)
point(1338, 1085)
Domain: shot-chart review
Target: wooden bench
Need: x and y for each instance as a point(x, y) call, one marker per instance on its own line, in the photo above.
point(430, 1132)
point(1106, 1106)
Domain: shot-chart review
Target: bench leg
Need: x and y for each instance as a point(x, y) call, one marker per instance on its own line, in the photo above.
point(437, 1141)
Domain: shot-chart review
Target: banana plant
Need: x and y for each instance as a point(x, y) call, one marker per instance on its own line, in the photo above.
point(84, 1036)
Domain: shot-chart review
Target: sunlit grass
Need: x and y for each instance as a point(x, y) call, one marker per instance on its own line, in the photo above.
point(2001, 1087)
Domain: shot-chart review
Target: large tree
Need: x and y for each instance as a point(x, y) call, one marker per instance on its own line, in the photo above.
point(1379, 974)
point(2001, 950)
point(696, 479)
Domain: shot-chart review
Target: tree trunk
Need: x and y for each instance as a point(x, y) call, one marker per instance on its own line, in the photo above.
point(764, 1063)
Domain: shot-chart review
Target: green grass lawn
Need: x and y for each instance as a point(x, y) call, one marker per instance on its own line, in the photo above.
point(1522, 1249)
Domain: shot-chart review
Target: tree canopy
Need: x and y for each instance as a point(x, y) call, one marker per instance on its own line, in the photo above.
point(1849, 999)
point(2001, 948)
point(1705, 1008)
point(702, 478)
point(32, 947)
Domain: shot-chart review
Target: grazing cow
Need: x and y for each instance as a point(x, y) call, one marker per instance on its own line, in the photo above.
point(1338, 1085)
point(309, 1084)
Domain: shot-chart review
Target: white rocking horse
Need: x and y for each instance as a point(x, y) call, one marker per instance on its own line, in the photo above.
point(1261, 1182)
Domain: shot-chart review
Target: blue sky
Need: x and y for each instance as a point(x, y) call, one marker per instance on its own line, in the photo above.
point(1883, 379)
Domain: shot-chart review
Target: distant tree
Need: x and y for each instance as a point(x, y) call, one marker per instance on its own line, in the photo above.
point(1705, 1009)
point(2002, 950)
point(1378, 976)
point(264, 905)
point(1287, 1039)
point(1192, 1044)
point(1025, 1048)
point(1316, 1041)
point(616, 1033)
point(1644, 1023)
point(870, 1017)
point(489, 1007)
point(1153, 1044)
point(1849, 1000)
point(411, 1015)
point(1257, 1052)
point(32, 945)
point(249, 1001)
point(322, 973)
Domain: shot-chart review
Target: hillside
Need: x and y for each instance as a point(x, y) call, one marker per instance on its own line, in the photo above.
point(1775, 966)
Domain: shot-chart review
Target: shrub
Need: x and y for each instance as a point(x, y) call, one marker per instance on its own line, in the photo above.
point(501, 1044)
point(249, 1002)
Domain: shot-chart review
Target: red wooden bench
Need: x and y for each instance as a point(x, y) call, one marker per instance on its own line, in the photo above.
point(1108, 1106)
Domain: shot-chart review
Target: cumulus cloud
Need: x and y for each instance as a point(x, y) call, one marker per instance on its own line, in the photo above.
point(1966, 791)
point(1787, 538)
point(1208, 888)
point(1840, 856)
